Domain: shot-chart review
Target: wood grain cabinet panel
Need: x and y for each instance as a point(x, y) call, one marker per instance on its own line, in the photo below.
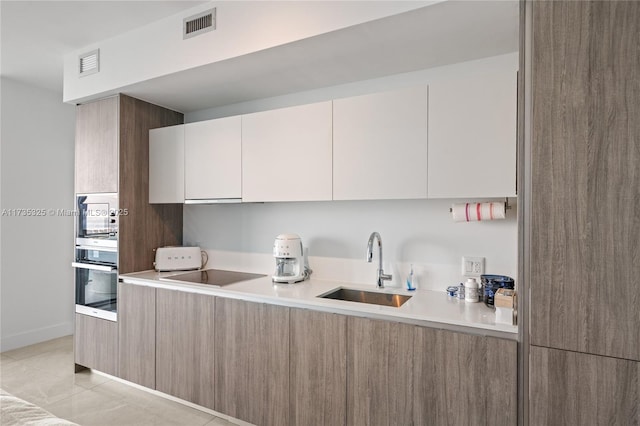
point(145, 226)
point(137, 334)
point(379, 372)
point(585, 195)
point(571, 388)
point(96, 344)
point(96, 149)
point(464, 379)
point(318, 368)
point(251, 361)
point(185, 345)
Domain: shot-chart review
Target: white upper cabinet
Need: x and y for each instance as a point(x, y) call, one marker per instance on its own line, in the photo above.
point(166, 165)
point(286, 154)
point(472, 135)
point(213, 154)
point(380, 145)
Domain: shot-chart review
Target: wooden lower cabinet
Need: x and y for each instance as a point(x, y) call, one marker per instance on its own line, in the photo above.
point(400, 374)
point(137, 334)
point(379, 372)
point(318, 368)
point(96, 344)
point(464, 379)
point(273, 365)
point(251, 361)
point(185, 345)
point(572, 388)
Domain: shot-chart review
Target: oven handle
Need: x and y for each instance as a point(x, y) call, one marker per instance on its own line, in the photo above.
point(93, 267)
point(98, 248)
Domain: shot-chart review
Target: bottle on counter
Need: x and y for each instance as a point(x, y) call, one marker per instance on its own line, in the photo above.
point(471, 289)
point(461, 291)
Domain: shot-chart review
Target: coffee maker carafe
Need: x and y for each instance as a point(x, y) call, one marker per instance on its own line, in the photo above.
point(289, 255)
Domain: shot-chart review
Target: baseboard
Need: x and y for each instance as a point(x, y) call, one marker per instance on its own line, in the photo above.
point(38, 335)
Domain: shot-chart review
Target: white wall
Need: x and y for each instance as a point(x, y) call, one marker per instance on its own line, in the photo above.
point(413, 231)
point(36, 281)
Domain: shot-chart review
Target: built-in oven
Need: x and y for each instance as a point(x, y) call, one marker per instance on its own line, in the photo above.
point(96, 255)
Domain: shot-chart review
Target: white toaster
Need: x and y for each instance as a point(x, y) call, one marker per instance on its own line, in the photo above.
point(177, 259)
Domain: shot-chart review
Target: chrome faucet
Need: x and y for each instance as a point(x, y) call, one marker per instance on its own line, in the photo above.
point(381, 275)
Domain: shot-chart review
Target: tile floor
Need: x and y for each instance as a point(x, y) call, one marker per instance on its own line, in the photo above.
point(43, 375)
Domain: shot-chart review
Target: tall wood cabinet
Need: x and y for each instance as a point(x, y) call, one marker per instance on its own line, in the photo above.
point(585, 192)
point(112, 155)
point(585, 200)
point(96, 147)
point(574, 388)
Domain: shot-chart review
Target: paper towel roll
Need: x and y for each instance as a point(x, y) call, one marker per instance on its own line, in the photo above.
point(472, 212)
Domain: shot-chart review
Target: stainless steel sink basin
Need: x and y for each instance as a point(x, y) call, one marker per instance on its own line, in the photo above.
point(362, 296)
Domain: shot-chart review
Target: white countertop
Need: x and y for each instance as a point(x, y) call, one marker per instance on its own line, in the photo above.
point(429, 308)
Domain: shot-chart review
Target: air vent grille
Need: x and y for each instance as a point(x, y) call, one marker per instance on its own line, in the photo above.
point(89, 63)
point(199, 24)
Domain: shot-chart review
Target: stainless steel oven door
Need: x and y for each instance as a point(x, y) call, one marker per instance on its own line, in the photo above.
point(96, 290)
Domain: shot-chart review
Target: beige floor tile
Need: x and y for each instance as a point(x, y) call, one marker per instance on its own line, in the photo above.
point(4, 359)
point(59, 362)
point(88, 379)
point(36, 386)
point(217, 421)
point(90, 408)
point(39, 348)
point(172, 412)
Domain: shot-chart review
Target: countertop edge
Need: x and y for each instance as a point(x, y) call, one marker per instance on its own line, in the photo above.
point(503, 331)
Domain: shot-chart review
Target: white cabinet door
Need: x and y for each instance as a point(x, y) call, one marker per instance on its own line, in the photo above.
point(472, 136)
point(166, 165)
point(286, 154)
point(380, 145)
point(213, 159)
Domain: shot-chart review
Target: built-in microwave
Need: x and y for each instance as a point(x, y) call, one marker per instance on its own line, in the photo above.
point(97, 218)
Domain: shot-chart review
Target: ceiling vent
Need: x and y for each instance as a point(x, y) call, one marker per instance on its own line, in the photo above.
point(89, 63)
point(199, 24)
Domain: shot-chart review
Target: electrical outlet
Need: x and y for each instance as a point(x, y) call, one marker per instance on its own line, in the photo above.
point(472, 266)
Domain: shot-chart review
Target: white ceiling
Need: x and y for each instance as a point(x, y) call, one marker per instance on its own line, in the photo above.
point(35, 35)
point(431, 36)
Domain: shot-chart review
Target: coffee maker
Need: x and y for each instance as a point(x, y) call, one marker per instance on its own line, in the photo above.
point(289, 255)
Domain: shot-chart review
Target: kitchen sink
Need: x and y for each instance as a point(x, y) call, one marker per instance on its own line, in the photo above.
point(362, 296)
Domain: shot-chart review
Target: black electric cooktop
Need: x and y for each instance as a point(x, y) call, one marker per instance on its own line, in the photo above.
point(214, 277)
